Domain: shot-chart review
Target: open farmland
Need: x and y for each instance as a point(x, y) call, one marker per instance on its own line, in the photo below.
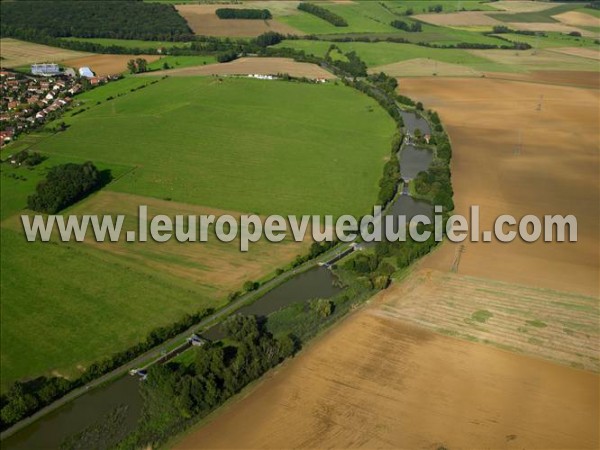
point(467, 18)
point(168, 148)
point(243, 66)
point(518, 6)
point(383, 53)
point(203, 21)
point(578, 19)
point(378, 382)
point(173, 132)
point(107, 64)
point(17, 53)
point(421, 67)
point(558, 326)
point(532, 60)
point(554, 172)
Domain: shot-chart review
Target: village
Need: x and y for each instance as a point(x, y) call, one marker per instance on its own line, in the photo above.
point(30, 100)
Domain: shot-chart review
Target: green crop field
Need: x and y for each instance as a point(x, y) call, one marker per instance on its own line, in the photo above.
point(382, 53)
point(230, 144)
point(544, 16)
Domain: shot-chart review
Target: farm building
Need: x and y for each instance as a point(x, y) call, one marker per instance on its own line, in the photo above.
point(86, 72)
point(45, 69)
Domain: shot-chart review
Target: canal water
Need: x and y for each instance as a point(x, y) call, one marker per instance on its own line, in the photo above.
point(50, 431)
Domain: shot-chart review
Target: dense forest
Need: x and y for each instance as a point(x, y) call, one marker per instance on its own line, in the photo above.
point(63, 186)
point(100, 19)
point(243, 13)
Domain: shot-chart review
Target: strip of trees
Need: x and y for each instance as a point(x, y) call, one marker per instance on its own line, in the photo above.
point(413, 27)
point(323, 13)
point(243, 13)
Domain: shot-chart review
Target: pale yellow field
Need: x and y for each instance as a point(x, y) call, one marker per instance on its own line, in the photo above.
point(423, 67)
point(578, 51)
point(544, 26)
point(578, 19)
point(17, 53)
point(518, 6)
point(244, 66)
point(532, 60)
point(203, 21)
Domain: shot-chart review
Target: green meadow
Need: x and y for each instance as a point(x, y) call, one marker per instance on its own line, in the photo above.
point(233, 144)
point(382, 53)
point(237, 144)
point(57, 325)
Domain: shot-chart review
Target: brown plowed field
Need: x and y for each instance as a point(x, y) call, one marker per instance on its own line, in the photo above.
point(106, 64)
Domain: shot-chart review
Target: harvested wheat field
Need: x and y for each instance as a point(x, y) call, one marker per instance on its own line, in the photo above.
point(245, 66)
point(423, 67)
point(518, 6)
point(521, 148)
point(578, 19)
point(203, 21)
point(554, 325)
point(107, 64)
point(571, 78)
point(532, 60)
point(465, 18)
point(17, 53)
point(578, 51)
point(378, 382)
point(549, 26)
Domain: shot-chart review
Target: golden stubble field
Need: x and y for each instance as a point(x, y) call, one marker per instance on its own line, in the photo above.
point(17, 53)
point(254, 65)
point(377, 382)
point(203, 21)
point(510, 157)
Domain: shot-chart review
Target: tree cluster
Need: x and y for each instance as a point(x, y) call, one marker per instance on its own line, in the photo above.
point(243, 13)
point(413, 27)
point(139, 65)
point(28, 159)
point(63, 186)
point(100, 19)
point(323, 13)
point(174, 394)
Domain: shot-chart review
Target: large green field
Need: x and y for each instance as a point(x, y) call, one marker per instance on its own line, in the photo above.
point(233, 144)
point(245, 145)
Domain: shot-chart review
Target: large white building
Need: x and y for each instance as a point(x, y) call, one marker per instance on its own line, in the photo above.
point(45, 69)
point(86, 72)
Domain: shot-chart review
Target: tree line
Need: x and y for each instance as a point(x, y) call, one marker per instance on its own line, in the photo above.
point(94, 19)
point(243, 13)
point(323, 13)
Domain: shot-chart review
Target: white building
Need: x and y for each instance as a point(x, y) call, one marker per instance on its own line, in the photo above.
point(45, 69)
point(86, 72)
